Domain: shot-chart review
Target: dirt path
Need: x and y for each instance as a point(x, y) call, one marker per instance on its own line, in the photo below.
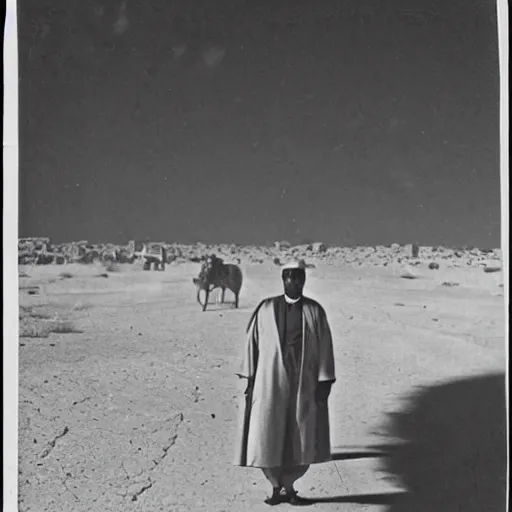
point(137, 412)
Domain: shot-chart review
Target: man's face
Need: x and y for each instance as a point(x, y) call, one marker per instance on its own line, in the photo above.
point(293, 281)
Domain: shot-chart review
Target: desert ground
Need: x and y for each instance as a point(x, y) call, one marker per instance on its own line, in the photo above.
point(128, 396)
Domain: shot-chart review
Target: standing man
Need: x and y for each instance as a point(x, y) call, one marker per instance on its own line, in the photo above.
point(289, 367)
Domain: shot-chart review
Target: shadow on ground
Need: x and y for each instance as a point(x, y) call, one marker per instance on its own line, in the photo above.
point(359, 455)
point(385, 498)
point(452, 454)
point(343, 454)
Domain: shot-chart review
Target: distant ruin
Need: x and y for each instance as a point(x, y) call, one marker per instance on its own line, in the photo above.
point(156, 255)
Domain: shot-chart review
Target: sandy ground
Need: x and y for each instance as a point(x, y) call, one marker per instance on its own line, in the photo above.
point(137, 410)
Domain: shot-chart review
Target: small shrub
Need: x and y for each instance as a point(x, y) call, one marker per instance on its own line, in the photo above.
point(30, 313)
point(489, 270)
point(66, 275)
point(111, 266)
point(408, 275)
point(63, 327)
point(42, 327)
point(81, 306)
point(35, 330)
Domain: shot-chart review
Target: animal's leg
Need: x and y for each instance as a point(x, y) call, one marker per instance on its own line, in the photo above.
point(207, 293)
point(222, 295)
point(199, 296)
point(236, 300)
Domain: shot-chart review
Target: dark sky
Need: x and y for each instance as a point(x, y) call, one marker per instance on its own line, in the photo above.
point(355, 122)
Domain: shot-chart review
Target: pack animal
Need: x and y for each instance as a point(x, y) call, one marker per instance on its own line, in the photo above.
point(215, 273)
point(154, 254)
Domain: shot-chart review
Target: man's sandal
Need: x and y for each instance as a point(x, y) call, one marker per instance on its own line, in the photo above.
point(276, 497)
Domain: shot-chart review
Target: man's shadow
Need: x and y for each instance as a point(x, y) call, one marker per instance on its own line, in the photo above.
point(452, 453)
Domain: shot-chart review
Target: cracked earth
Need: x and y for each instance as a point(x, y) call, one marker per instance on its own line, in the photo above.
point(137, 411)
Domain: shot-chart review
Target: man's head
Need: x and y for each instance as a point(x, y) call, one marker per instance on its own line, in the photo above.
point(294, 278)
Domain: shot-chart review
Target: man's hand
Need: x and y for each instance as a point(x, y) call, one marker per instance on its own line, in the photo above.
point(323, 390)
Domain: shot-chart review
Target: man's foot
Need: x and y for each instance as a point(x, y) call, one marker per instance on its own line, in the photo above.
point(276, 497)
point(294, 499)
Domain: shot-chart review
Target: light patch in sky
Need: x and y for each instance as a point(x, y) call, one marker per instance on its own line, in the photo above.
point(420, 15)
point(403, 180)
point(98, 11)
point(42, 29)
point(363, 11)
point(406, 182)
point(395, 123)
point(122, 22)
point(213, 56)
point(179, 51)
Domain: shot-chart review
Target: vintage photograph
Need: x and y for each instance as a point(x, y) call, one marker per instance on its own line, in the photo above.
point(260, 256)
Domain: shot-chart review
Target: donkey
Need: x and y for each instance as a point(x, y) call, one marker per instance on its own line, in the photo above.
point(215, 273)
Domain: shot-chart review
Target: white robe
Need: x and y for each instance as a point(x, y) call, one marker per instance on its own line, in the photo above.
point(263, 413)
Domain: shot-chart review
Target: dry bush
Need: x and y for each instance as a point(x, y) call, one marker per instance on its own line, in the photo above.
point(34, 330)
point(111, 266)
point(34, 324)
point(449, 284)
point(36, 327)
point(66, 275)
point(23, 274)
point(64, 327)
point(81, 306)
point(28, 312)
point(408, 275)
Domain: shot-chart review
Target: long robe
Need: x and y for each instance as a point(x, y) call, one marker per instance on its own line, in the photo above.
point(263, 409)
